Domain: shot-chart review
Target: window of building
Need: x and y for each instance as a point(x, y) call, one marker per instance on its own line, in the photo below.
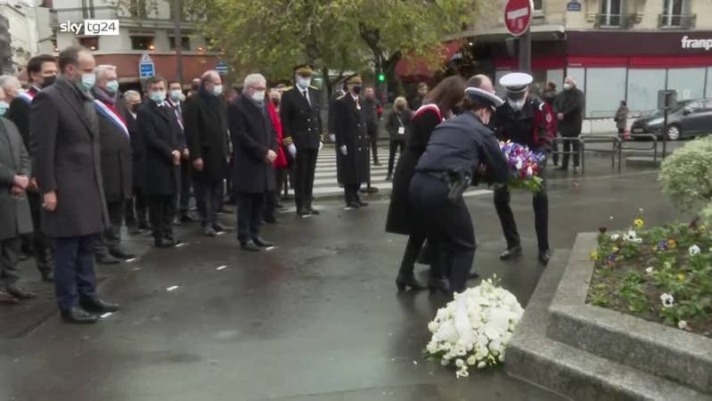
point(184, 45)
point(688, 82)
point(605, 88)
point(643, 87)
point(538, 6)
point(90, 42)
point(137, 8)
point(557, 77)
point(611, 12)
point(673, 13)
point(142, 43)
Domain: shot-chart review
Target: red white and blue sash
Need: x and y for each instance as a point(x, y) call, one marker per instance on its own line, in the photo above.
point(110, 114)
point(26, 96)
point(429, 107)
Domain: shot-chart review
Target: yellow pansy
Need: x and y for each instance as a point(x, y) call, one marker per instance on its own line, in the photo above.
point(672, 244)
point(638, 223)
point(680, 277)
point(593, 255)
point(615, 249)
point(703, 228)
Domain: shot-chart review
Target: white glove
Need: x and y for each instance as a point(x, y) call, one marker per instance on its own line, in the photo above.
point(292, 150)
point(344, 150)
point(321, 145)
point(332, 137)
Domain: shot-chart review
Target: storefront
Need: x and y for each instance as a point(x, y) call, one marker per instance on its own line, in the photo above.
point(612, 66)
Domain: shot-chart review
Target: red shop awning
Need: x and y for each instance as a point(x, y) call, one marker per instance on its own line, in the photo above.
point(414, 66)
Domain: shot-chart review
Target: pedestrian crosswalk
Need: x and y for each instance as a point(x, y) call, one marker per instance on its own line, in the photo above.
point(326, 185)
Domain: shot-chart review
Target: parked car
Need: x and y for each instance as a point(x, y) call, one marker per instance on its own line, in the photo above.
point(689, 118)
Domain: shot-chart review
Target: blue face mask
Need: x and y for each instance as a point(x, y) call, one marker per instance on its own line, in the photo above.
point(112, 86)
point(158, 97)
point(3, 107)
point(88, 81)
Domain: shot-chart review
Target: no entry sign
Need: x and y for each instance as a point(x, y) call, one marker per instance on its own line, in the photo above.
point(518, 16)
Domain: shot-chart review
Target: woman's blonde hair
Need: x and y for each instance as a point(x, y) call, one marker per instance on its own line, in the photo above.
point(400, 100)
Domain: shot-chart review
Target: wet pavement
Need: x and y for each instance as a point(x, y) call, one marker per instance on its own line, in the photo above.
point(318, 318)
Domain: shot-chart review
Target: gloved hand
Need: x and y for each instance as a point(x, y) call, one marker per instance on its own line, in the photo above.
point(292, 150)
point(321, 145)
point(344, 151)
point(332, 137)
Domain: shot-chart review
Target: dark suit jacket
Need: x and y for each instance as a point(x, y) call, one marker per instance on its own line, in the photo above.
point(19, 113)
point(64, 132)
point(206, 130)
point(159, 130)
point(136, 151)
point(252, 136)
point(351, 130)
point(115, 160)
point(301, 121)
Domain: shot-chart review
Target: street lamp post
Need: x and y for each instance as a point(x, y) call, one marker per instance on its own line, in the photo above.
point(178, 39)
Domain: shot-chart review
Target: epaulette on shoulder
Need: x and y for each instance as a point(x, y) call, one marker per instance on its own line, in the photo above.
point(313, 87)
point(288, 88)
point(341, 97)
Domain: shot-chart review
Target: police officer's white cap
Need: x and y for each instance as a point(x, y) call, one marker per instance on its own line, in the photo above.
point(516, 82)
point(483, 96)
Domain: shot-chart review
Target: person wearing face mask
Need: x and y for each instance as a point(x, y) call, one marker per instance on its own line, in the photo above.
point(456, 151)
point(176, 101)
point(254, 142)
point(300, 113)
point(160, 132)
point(206, 130)
point(523, 120)
point(64, 129)
point(116, 173)
point(15, 219)
point(12, 87)
point(280, 164)
point(398, 126)
point(41, 71)
point(136, 207)
point(569, 106)
point(352, 142)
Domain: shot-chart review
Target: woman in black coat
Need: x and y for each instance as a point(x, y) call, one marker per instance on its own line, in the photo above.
point(436, 105)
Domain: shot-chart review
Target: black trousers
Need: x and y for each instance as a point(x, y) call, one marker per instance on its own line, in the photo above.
point(373, 140)
point(209, 199)
point(567, 148)
point(304, 177)
point(186, 182)
point(351, 193)
point(137, 209)
point(9, 258)
point(395, 145)
point(161, 211)
point(280, 177)
point(249, 215)
point(447, 224)
point(42, 243)
point(110, 239)
point(540, 203)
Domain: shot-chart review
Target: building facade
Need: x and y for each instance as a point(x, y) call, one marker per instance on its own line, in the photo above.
point(145, 26)
point(28, 32)
point(615, 49)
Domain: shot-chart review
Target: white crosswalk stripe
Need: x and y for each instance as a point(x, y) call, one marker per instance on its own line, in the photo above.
point(326, 185)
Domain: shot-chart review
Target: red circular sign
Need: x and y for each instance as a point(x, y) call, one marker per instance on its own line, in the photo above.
point(518, 16)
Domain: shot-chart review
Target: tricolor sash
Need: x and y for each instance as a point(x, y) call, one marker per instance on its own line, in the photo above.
point(431, 107)
point(26, 96)
point(109, 113)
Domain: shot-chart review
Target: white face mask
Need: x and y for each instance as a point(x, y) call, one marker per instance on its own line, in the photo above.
point(516, 105)
point(217, 90)
point(258, 96)
point(303, 83)
point(567, 86)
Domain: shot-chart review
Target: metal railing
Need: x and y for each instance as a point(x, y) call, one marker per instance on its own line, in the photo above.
point(561, 140)
point(614, 21)
point(679, 21)
point(636, 150)
point(615, 151)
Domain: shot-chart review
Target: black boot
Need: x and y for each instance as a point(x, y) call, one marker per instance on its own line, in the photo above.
point(78, 315)
point(403, 281)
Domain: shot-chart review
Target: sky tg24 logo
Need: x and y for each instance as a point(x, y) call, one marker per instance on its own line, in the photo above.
point(91, 27)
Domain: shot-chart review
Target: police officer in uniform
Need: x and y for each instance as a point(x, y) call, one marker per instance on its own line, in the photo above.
point(301, 124)
point(522, 119)
point(456, 152)
point(351, 141)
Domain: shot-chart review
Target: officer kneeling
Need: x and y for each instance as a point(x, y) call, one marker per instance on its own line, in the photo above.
point(457, 150)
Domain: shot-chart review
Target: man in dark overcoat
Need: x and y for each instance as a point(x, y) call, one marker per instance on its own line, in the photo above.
point(301, 126)
point(64, 130)
point(115, 163)
point(255, 148)
point(41, 72)
point(351, 142)
point(136, 207)
point(569, 106)
point(206, 130)
point(160, 132)
point(15, 219)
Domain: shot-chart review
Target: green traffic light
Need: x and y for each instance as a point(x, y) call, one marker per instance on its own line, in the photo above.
point(381, 77)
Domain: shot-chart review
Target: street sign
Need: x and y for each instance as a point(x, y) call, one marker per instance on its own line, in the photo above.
point(573, 5)
point(222, 67)
point(518, 16)
point(146, 68)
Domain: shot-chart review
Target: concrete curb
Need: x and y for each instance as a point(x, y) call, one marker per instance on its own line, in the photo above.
point(642, 161)
point(648, 346)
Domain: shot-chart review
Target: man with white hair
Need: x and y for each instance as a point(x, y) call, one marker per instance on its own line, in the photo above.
point(255, 148)
point(115, 146)
point(206, 130)
point(12, 87)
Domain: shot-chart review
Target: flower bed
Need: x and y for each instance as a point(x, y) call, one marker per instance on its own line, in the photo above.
point(663, 274)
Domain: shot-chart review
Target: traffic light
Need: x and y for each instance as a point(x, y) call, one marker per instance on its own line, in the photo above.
point(381, 77)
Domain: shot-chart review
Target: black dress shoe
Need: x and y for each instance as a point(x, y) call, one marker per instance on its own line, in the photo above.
point(107, 260)
point(48, 277)
point(97, 305)
point(314, 212)
point(172, 242)
point(144, 226)
point(210, 232)
point(362, 203)
point(121, 254)
point(440, 285)
point(389, 177)
point(221, 228)
point(19, 292)
point(473, 275)
point(353, 205)
point(187, 218)
point(405, 281)
point(511, 253)
point(562, 168)
point(372, 190)
point(544, 257)
point(271, 220)
point(161, 244)
point(303, 212)
point(249, 246)
point(262, 243)
point(7, 299)
point(78, 315)
point(134, 230)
